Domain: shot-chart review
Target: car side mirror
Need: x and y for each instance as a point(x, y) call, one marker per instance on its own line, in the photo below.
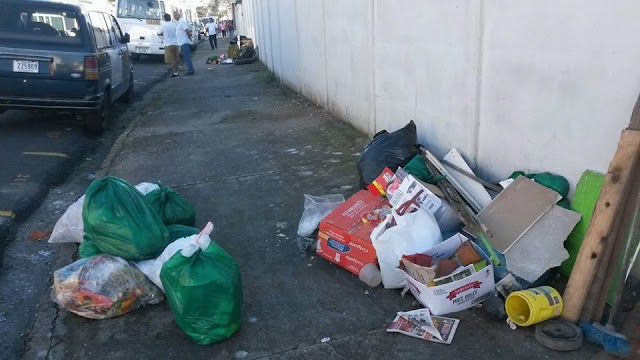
point(126, 38)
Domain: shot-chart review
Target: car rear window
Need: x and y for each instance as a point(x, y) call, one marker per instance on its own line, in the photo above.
point(28, 23)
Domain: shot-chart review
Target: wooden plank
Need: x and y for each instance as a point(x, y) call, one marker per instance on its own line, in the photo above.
point(634, 123)
point(612, 271)
point(473, 187)
point(608, 207)
point(459, 188)
point(588, 314)
point(584, 201)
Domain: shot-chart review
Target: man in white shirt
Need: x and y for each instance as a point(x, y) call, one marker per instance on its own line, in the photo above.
point(184, 40)
point(212, 29)
point(170, 42)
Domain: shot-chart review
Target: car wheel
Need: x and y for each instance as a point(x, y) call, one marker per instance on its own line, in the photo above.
point(135, 57)
point(128, 95)
point(97, 121)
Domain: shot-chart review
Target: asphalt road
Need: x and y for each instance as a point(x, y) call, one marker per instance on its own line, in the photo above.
point(38, 149)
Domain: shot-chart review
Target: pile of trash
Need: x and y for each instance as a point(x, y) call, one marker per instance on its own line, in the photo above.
point(432, 227)
point(219, 59)
point(241, 50)
point(138, 245)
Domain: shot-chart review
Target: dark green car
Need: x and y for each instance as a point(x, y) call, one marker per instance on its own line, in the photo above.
point(57, 55)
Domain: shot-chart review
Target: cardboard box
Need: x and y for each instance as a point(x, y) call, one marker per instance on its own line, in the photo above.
point(412, 194)
point(343, 237)
point(457, 295)
point(379, 185)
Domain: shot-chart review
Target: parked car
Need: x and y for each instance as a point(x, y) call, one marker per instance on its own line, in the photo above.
point(60, 55)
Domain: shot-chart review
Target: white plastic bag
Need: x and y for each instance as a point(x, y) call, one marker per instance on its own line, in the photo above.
point(70, 227)
point(315, 209)
point(146, 187)
point(187, 246)
point(413, 233)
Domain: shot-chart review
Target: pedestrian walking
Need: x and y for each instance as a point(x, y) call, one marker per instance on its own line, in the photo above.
point(184, 40)
point(212, 29)
point(223, 29)
point(231, 29)
point(170, 42)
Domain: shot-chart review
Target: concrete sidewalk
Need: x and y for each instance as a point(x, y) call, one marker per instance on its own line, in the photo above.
point(244, 151)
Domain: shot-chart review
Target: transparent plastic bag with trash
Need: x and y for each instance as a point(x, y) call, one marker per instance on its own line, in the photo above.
point(316, 208)
point(102, 287)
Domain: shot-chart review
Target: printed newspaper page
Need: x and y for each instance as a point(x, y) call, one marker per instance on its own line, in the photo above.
point(420, 324)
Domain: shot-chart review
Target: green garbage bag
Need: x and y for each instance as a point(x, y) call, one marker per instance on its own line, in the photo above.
point(419, 170)
point(88, 249)
point(203, 285)
point(119, 222)
point(171, 206)
point(180, 231)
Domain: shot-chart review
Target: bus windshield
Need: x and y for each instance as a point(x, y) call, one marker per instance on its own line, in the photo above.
point(140, 9)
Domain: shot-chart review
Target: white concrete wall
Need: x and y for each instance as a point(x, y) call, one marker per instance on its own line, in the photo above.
point(536, 85)
point(559, 81)
point(426, 70)
point(312, 54)
point(288, 40)
point(239, 19)
point(350, 60)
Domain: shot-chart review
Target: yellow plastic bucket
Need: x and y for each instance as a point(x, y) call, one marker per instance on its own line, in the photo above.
point(531, 306)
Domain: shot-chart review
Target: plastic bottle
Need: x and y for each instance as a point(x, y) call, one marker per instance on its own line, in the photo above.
point(370, 275)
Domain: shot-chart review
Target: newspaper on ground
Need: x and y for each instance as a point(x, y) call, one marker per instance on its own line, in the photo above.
point(420, 324)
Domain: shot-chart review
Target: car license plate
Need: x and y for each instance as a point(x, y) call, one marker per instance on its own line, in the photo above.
point(142, 50)
point(25, 66)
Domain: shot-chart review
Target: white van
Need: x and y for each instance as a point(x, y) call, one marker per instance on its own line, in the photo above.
point(142, 19)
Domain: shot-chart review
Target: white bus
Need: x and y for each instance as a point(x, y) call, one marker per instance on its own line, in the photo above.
point(142, 19)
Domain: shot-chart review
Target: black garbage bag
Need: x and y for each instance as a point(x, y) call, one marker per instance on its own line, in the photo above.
point(250, 60)
point(246, 52)
point(387, 150)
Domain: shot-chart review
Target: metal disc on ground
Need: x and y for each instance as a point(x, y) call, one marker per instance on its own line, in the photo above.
point(559, 335)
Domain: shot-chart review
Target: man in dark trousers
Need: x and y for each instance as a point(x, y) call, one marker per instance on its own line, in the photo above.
point(212, 30)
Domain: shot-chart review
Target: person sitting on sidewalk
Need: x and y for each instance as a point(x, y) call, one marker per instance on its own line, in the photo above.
point(170, 42)
point(212, 29)
point(184, 40)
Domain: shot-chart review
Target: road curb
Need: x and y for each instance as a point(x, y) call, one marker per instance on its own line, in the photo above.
point(7, 228)
point(119, 143)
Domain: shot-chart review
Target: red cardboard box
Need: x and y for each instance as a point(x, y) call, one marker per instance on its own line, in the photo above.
point(344, 238)
point(379, 185)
